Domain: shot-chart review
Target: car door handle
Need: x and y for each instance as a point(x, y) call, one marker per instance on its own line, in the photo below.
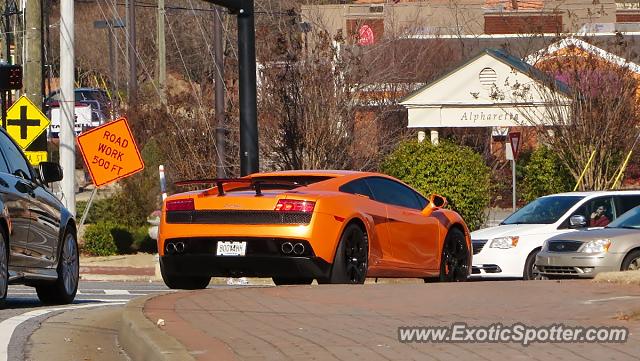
point(26, 187)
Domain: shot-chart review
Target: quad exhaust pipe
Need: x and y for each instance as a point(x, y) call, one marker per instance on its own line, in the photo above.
point(288, 248)
point(298, 248)
point(173, 248)
point(180, 247)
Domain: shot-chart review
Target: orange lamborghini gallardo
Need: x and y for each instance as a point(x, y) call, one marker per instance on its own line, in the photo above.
point(297, 226)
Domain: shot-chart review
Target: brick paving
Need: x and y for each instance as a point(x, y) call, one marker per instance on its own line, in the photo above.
point(111, 270)
point(335, 322)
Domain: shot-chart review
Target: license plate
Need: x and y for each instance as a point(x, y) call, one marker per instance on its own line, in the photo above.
point(231, 249)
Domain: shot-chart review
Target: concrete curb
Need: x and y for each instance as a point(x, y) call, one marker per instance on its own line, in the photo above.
point(144, 341)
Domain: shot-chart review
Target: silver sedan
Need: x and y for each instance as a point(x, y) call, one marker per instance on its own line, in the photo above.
point(585, 253)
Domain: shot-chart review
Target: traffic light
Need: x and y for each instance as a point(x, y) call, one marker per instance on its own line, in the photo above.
point(10, 77)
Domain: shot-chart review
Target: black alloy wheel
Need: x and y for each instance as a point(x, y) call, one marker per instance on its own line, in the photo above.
point(64, 289)
point(352, 257)
point(454, 263)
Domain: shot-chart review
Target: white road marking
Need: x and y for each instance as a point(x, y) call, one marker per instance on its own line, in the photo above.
point(93, 292)
point(8, 326)
point(116, 292)
point(591, 302)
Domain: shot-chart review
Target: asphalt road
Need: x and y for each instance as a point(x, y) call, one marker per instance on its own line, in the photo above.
point(23, 313)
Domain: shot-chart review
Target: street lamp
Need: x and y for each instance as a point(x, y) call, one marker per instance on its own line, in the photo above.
point(243, 9)
point(113, 65)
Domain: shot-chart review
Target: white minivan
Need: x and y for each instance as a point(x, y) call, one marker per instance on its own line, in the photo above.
point(509, 250)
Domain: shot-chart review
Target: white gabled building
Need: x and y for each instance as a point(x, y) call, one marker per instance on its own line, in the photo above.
point(493, 89)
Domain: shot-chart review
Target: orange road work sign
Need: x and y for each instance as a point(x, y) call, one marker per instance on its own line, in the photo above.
point(110, 152)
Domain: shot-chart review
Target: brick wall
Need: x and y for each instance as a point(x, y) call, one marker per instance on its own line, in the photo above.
point(627, 17)
point(517, 24)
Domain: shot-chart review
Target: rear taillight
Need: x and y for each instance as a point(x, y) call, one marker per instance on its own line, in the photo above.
point(294, 205)
point(180, 205)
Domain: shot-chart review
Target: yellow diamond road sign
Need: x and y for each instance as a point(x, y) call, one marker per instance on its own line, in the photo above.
point(25, 122)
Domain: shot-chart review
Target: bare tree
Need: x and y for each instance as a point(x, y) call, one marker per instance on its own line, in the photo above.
point(591, 108)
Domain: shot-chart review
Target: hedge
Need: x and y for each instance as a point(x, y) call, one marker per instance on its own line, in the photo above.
point(453, 171)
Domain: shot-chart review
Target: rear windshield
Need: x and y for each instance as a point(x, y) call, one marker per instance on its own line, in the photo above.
point(282, 182)
point(544, 210)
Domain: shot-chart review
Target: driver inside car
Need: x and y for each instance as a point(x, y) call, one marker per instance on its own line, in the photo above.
point(598, 218)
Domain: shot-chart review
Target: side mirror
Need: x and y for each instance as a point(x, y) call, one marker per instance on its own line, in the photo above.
point(577, 221)
point(50, 172)
point(438, 200)
point(435, 202)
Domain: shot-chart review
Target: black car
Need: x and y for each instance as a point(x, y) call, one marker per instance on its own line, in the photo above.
point(38, 235)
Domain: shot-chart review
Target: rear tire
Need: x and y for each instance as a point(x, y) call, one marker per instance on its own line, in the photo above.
point(64, 289)
point(352, 257)
point(283, 281)
point(454, 262)
point(631, 261)
point(178, 282)
point(4, 268)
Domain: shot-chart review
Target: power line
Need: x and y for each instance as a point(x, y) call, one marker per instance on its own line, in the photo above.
point(291, 12)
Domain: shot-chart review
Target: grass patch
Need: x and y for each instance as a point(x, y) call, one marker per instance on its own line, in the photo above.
point(627, 277)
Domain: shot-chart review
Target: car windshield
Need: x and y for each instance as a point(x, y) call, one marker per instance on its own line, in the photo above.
point(544, 210)
point(631, 219)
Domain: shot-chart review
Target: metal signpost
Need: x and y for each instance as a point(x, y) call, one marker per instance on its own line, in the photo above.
point(515, 140)
point(243, 9)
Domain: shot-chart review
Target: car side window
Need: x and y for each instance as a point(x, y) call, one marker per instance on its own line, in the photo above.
point(16, 161)
point(394, 193)
point(4, 168)
point(597, 211)
point(358, 186)
point(626, 202)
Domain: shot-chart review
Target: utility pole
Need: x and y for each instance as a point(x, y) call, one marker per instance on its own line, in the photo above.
point(219, 97)
point(33, 68)
point(67, 105)
point(10, 9)
point(162, 55)
point(243, 9)
point(132, 89)
point(33, 85)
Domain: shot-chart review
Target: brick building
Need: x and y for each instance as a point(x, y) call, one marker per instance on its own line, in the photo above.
point(392, 18)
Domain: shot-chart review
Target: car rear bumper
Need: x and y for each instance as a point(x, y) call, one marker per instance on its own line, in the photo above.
point(248, 266)
point(573, 264)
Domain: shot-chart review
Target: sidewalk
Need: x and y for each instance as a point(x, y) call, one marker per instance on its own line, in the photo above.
point(342, 322)
point(134, 267)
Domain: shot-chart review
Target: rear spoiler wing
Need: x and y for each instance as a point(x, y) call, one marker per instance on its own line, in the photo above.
point(255, 183)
